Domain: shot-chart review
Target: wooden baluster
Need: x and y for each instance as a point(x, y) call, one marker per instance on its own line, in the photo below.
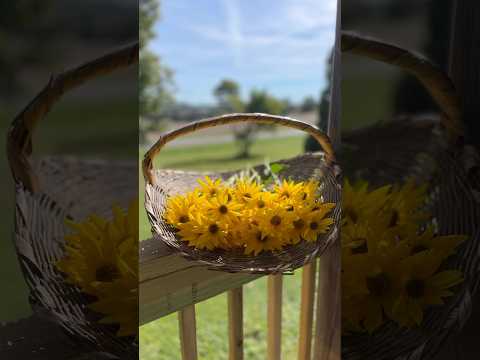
point(328, 326)
point(274, 319)
point(188, 334)
point(235, 321)
point(306, 311)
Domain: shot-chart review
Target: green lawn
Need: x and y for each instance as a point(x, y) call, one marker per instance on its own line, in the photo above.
point(159, 339)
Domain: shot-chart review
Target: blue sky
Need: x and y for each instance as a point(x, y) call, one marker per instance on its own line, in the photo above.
point(277, 45)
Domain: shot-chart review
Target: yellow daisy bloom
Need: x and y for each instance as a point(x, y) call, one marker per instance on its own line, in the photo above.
point(205, 233)
point(255, 240)
point(261, 201)
point(276, 223)
point(289, 189)
point(317, 222)
point(224, 208)
point(179, 208)
point(209, 187)
point(405, 204)
point(101, 258)
point(310, 191)
point(370, 282)
point(300, 223)
point(358, 203)
point(421, 285)
point(443, 245)
point(244, 190)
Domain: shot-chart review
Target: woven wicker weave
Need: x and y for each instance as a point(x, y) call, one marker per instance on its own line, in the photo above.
point(453, 200)
point(53, 189)
point(160, 184)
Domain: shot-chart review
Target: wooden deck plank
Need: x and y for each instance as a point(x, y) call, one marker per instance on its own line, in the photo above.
point(168, 282)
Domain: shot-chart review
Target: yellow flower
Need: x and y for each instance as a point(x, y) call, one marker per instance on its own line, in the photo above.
point(300, 223)
point(405, 205)
point(443, 245)
point(245, 190)
point(316, 222)
point(255, 240)
point(275, 223)
point(421, 285)
point(369, 285)
point(209, 187)
point(358, 203)
point(224, 208)
point(205, 233)
point(101, 258)
point(118, 300)
point(179, 208)
point(310, 191)
point(261, 200)
point(289, 189)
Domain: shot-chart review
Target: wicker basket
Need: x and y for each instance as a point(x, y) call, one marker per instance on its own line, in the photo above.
point(160, 184)
point(445, 164)
point(50, 190)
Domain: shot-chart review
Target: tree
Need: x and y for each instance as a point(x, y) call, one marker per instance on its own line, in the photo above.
point(308, 104)
point(261, 102)
point(227, 93)
point(155, 79)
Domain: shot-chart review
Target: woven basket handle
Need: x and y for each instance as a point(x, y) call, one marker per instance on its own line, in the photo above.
point(321, 138)
point(19, 141)
point(437, 82)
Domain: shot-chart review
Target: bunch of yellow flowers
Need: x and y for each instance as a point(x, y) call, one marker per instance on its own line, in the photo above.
point(248, 215)
point(101, 259)
point(391, 260)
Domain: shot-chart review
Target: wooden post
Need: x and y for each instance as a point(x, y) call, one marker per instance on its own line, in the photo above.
point(328, 327)
point(274, 321)
point(306, 311)
point(235, 321)
point(188, 333)
point(464, 64)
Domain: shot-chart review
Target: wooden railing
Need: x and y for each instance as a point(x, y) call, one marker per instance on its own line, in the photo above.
point(169, 283)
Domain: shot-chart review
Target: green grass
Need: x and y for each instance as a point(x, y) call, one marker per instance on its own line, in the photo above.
point(160, 339)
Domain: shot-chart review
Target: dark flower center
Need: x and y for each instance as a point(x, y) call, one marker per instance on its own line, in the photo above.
point(213, 228)
point(394, 218)
point(418, 248)
point(107, 272)
point(299, 224)
point(378, 285)
point(276, 220)
point(213, 192)
point(183, 219)
point(352, 214)
point(314, 225)
point(415, 288)
point(261, 238)
point(361, 249)
point(261, 204)
point(223, 209)
point(247, 195)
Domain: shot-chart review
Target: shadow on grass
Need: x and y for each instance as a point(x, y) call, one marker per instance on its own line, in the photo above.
point(196, 162)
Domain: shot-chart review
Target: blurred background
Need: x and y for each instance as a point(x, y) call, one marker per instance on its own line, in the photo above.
point(375, 93)
point(44, 37)
point(201, 59)
point(422, 26)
